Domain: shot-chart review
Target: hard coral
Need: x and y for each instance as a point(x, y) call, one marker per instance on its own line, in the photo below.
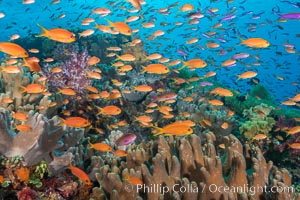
point(186, 163)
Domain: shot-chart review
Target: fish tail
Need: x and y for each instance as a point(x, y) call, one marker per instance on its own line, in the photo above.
point(90, 144)
point(44, 31)
point(100, 112)
point(159, 132)
point(183, 66)
point(23, 89)
point(242, 41)
point(111, 24)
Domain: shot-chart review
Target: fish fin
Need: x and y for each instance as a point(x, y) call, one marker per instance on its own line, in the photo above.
point(111, 24)
point(44, 31)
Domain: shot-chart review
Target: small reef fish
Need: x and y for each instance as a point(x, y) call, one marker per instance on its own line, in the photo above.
point(13, 49)
point(125, 139)
point(133, 180)
point(81, 175)
point(100, 147)
point(255, 42)
point(120, 153)
point(156, 69)
point(57, 34)
point(221, 92)
point(76, 122)
point(109, 110)
point(121, 27)
point(33, 88)
point(246, 75)
point(175, 129)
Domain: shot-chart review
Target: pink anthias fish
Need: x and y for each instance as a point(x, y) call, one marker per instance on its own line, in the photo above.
point(165, 97)
point(125, 139)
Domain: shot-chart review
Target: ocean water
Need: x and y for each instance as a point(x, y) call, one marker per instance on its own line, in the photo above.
point(277, 70)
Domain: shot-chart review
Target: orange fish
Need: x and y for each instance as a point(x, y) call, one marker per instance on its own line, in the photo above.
point(255, 42)
point(120, 153)
point(58, 34)
point(100, 147)
point(187, 7)
point(294, 146)
point(24, 128)
point(193, 64)
point(93, 60)
point(216, 102)
point(133, 180)
point(76, 122)
point(110, 110)
point(176, 129)
point(10, 69)
point(246, 75)
point(224, 125)
point(33, 89)
point(156, 69)
point(143, 88)
point(260, 136)
point(13, 49)
point(67, 91)
point(33, 64)
point(221, 92)
point(20, 116)
point(122, 27)
point(136, 4)
point(83, 177)
point(293, 130)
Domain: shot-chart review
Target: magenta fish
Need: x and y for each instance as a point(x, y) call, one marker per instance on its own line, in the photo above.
point(125, 139)
point(290, 16)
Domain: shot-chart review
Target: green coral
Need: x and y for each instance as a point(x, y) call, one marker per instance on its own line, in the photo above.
point(259, 122)
point(39, 173)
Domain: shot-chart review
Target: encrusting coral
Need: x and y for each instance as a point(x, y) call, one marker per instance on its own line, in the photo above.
point(187, 163)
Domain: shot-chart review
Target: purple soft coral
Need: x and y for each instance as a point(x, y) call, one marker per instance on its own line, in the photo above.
point(73, 73)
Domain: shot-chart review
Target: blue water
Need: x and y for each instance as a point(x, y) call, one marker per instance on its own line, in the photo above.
point(22, 19)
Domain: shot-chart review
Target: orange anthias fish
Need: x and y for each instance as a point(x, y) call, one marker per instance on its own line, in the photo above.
point(221, 92)
point(100, 147)
point(156, 69)
point(136, 4)
point(176, 129)
point(293, 130)
point(32, 63)
point(255, 42)
point(110, 110)
point(83, 177)
point(76, 122)
point(58, 34)
point(33, 88)
point(133, 180)
point(13, 49)
point(246, 75)
point(194, 64)
point(122, 27)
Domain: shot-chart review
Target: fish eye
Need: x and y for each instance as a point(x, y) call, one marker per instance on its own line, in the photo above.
point(189, 129)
